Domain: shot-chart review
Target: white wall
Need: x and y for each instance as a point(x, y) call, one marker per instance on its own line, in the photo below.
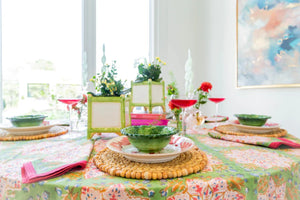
point(208, 28)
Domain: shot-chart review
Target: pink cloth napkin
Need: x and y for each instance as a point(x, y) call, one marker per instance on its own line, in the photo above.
point(29, 174)
point(270, 142)
point(138, 122)
point(54, 157)
point(284, 141)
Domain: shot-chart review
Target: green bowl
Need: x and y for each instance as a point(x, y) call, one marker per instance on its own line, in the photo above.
point(149, 139)
point(252, 119)
point(27, 120)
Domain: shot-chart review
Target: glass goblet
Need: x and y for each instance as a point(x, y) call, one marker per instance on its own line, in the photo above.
point(71, 99)
point(183, 102)
point(216, 100)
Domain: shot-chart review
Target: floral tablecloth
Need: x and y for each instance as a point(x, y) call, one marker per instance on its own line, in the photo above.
point(234, 171)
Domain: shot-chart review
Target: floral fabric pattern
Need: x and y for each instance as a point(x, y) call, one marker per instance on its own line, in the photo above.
point(7, 185)
point(216, 188)
point(213, 164)
point(255, 140)
point(234, 171)
point(244, 139)
point(59, 153)
point(219, 143)
point(269, 190)
point(294, 152)
point(113, 192)
point(259, 158)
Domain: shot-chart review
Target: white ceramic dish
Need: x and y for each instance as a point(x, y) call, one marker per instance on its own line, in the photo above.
point(177, 145)
point(268, 127)
point(33, 130)
point(216, 119)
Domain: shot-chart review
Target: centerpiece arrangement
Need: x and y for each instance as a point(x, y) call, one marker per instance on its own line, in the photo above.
point(109, 103)
point(148, 90)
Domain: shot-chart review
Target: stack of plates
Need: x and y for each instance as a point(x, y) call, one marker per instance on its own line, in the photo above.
point(215, 119)
point(177, 145)
point(267, 128)
point(33, 130)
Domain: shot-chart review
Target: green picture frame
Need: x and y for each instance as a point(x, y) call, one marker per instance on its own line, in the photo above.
point(147, 94)
point(112, 111)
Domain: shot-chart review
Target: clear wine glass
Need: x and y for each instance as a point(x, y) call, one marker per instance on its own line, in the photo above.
point(183, 102)
point(216, 100)
point(70, 98)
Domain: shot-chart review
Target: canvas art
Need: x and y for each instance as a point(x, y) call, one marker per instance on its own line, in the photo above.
point(268, 33)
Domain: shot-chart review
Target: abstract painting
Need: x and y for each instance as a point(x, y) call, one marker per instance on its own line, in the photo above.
point(268, 43)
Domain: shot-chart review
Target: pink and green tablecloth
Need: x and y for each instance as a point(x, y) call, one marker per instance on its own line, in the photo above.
point(234, 171)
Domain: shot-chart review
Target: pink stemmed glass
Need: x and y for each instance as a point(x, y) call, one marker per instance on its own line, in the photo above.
point(216, 101)
point(183, 103)
point(70, 102)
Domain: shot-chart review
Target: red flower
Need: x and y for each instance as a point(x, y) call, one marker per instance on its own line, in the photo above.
point(205, 86)
point(172, 106)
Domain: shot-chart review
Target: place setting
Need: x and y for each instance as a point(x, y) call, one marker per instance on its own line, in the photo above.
point(252, 124)
point(253, 129)
point(151, 152)
point(29, 127)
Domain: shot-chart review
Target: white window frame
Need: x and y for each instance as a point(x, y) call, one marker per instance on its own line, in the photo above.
point(1, 83)
point(89, 42)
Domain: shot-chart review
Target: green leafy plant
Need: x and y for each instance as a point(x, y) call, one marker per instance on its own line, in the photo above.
point(172, 89)
point(106, 83)
point(150, 70)
point(176, 111)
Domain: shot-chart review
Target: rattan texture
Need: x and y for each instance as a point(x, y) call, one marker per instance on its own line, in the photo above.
point(116, 164)
point(53, 132)
point(230, 130)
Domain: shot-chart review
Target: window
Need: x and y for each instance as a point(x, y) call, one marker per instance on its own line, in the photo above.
point(38, 90)
point(43, 42)
point(41, 48)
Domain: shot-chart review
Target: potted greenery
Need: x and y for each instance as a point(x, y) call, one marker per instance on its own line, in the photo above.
point(148, 90)
point(108, 111)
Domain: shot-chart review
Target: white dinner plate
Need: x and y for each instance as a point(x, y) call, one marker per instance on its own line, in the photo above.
point(177, 145)
point(33, 130)
point(214, 119)
point(268, 127)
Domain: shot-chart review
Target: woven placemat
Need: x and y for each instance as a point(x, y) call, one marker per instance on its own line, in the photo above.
point(231, 130)
point(54, 131)
point(117, 165)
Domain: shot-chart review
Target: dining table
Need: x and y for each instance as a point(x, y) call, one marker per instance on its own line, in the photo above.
point(234, 170)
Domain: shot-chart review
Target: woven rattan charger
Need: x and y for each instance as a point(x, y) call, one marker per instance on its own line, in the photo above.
point(229, 129)
point(54, 131)
point(117, 165)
